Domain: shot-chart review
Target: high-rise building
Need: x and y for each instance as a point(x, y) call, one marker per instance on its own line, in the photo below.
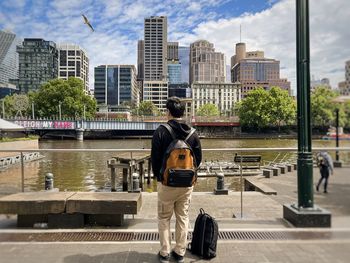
point(174, 72)
point(224, 95)
point(173, 51)
point(181, 90)
point(157, 92)
point(73, 62)
point(8, 56)
point(344, 86)
point(253, 70)
point(184, 59)
point(155, 38)
point(206, 65)
point(115, 85)
point(140, 59)
point(155, 85)
point(38, 63)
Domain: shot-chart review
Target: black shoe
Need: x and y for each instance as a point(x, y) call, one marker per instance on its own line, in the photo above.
point(325, 191)
point(177, 257)
point(317, 188)
point(163, 259)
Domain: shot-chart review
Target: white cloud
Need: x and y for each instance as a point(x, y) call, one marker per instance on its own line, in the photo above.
point(273, 30)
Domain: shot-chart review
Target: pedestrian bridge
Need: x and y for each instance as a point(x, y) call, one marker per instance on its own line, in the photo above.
point(88, 125)
point(110, 128)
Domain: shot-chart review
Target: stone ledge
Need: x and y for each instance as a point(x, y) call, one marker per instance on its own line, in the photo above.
point(315, 217)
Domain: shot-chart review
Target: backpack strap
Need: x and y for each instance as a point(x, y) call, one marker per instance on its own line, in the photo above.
point(170, 130)
point(190, 134)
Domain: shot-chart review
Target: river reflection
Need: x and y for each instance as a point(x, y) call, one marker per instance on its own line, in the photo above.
point(89, 172)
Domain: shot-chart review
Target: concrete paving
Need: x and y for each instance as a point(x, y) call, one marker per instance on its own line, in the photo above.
point(260, 212)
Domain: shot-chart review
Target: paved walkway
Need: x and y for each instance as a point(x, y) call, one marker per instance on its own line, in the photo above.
point(260, 212)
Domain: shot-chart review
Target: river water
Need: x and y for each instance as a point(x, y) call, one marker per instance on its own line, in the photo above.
point(89, 171)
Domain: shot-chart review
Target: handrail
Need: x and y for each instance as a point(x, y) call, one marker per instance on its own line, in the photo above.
point(292, 149)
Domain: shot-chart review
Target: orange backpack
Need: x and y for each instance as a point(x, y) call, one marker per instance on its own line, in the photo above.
point(179, 164)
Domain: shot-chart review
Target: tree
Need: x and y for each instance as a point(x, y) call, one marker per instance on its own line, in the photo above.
point(322, 107)
point(254, 109)
point(146, 108)
point(208, 110)
point(69, 94)
point(17, 105)
point(282, 107)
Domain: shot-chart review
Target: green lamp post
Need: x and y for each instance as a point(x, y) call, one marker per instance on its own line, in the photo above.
point(304, 213)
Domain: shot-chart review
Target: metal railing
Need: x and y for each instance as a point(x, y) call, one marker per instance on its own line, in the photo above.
point(239, 151)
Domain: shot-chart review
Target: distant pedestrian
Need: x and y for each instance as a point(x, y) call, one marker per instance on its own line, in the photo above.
point(325, 162)
point(174, 144)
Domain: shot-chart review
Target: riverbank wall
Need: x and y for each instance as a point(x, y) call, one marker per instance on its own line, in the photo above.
point(14, 145)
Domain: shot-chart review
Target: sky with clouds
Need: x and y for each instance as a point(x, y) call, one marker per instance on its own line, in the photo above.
point(267, 25)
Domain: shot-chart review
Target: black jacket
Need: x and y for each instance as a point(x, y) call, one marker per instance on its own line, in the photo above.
point(162, 138)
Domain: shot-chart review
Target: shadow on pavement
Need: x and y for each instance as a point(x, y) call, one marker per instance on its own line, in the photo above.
point(125, 257)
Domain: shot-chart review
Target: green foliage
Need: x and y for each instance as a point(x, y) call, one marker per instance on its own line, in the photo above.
point(346, 117)
point(17, 105)
point(254, 110)
point(322, 108)
point(262, 108)
point(146, 108)
point(69, 94)
point(208, 110)
point(282, 107)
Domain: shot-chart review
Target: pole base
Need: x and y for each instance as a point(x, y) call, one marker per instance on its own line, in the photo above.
point(221, 191)
point(337, 164)
point(307, 217)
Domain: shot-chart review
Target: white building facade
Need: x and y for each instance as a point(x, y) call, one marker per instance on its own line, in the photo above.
point(73, 62)
point(223, 95)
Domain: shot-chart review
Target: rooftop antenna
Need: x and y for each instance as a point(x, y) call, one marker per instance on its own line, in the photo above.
point(240, 33)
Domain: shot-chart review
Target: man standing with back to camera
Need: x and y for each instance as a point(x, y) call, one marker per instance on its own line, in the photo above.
point(173, 199)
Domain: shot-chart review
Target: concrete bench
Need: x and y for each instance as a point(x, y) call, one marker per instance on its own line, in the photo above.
point(268, 173)
point(276, 170)
point(70, 209)
point(251, 184)
point(283, 168)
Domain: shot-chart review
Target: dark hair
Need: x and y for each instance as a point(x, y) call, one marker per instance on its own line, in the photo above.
point(175, 106)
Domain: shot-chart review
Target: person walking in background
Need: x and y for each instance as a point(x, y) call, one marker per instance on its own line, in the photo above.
point(176, 197)
point(325, 162)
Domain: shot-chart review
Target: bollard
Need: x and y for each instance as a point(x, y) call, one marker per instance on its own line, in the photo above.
point(112, 164)
point(220, 181)
point(220, 185)
point(49, 181)
point(135, 183)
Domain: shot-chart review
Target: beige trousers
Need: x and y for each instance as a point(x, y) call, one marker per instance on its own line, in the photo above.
point(177, 200)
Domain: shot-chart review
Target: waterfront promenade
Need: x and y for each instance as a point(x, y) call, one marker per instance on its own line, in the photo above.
point(261, 213)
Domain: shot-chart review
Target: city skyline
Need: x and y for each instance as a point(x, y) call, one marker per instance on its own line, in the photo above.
point(266, 25)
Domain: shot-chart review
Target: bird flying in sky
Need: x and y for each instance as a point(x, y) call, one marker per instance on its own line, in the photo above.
point(86, 21)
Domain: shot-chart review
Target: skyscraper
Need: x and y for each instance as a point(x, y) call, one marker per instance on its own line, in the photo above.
point(140, 59)
point(8, 56)
point(344, 86)
point(115, 84)
point(38, 63)
point(73, 62)
point(155, 38)
point(174, 72)
point(206, 65)
point(253, 70)
point(184, 58)
point(155, 86)
point(173, 51)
